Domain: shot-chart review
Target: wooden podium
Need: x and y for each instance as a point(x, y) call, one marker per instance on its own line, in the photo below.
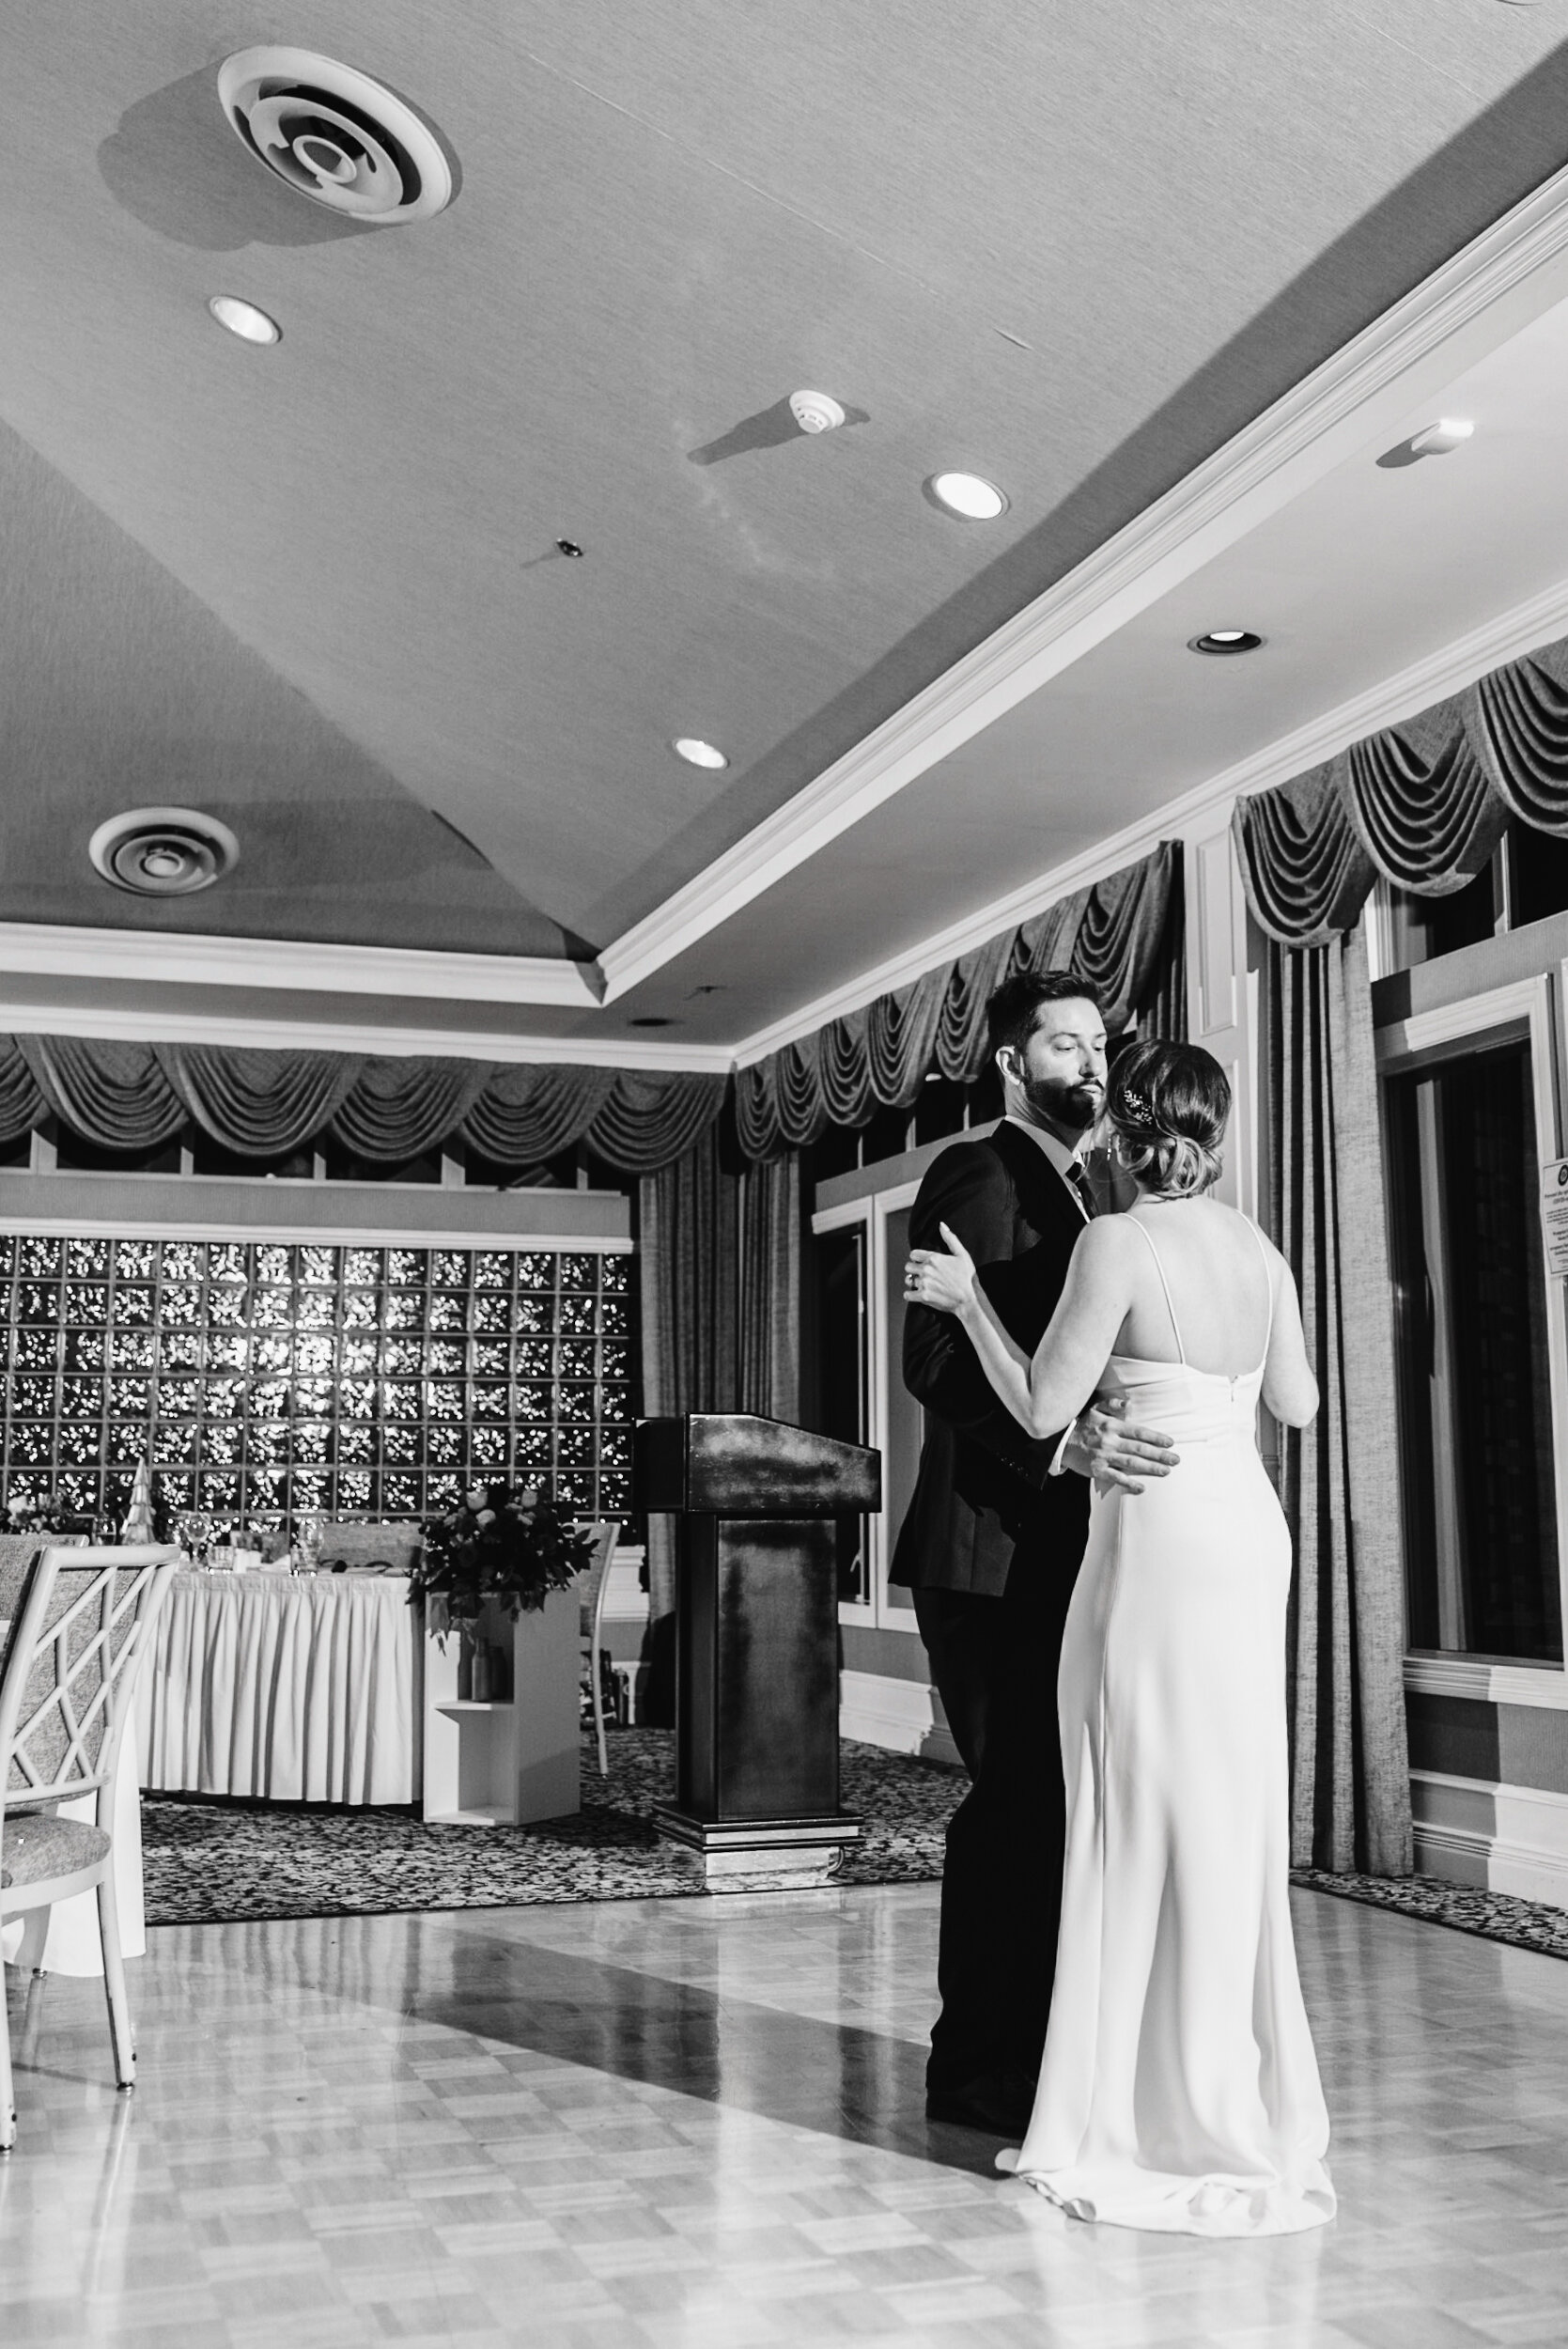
point(756, 1639)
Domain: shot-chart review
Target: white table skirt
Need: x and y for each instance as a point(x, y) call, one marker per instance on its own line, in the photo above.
point(305, 1690)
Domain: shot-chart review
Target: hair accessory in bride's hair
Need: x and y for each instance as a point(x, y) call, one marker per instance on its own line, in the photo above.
point(1137, 1109)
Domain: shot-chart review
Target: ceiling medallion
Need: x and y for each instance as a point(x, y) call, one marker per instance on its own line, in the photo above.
point(334, 135)
point(164, 851)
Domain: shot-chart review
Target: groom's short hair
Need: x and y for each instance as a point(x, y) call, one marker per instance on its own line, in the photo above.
point(1013, 1012)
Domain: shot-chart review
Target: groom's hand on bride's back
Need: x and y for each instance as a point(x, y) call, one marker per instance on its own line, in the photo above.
point(1108, 1447)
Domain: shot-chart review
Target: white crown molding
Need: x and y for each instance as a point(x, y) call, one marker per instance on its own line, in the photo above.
point(1424, 682)
point(1500, 281)
point(177, 1024)
point(56, 950)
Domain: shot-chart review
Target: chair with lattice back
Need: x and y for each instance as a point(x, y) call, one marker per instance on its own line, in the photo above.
point(591, 1588)
point(67, 1668)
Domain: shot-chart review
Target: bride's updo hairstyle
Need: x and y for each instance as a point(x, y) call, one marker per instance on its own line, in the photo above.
point(1169, 1104)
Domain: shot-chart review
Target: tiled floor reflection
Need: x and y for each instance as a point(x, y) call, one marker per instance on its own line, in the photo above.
point(700, 2122)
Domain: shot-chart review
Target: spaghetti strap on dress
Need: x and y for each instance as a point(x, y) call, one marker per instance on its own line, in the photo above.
point(1175, 1325)
point(1179, 2090)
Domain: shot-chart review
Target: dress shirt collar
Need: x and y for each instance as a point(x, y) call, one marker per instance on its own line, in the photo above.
point(1060, 1156)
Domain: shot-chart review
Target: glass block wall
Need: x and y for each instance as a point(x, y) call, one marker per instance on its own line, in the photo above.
point(263, 1380)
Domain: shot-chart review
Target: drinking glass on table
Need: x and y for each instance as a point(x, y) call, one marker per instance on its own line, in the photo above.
point(306, 1555)
point(194, 1531)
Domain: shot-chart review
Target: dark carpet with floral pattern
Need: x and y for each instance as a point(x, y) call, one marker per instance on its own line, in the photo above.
point(1462, 1907)
point(212, 1863)
point(207, 1862)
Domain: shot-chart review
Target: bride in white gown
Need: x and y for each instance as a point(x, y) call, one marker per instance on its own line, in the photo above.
point(1179, 2090)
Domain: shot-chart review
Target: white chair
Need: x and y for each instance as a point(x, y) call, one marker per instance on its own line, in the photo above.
point(68, 1665)
point(590, 1589)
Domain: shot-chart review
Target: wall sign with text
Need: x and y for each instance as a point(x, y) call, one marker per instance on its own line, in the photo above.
point(1554, 1216)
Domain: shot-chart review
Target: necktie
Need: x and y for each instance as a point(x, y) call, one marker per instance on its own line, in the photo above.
point(1080, 1182)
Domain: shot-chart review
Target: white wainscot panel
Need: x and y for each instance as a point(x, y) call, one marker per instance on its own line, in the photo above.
point(1218, 1004)
point(1501, 1838)
point(903, 1716)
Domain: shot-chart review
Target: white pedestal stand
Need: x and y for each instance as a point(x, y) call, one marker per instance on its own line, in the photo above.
point(502, 1764)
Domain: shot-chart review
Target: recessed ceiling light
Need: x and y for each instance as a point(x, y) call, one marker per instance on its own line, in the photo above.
point(1225, 639)
point(1439, 438)
point(652, 1020)
point(969, 496)
point(698, 754)
point(244, 320)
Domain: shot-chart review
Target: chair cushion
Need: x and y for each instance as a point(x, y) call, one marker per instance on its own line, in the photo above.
point(35, 1846)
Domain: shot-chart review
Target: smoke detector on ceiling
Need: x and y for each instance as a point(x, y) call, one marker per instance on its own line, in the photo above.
point(334, 135)
point(815, 412)
point(164, 851)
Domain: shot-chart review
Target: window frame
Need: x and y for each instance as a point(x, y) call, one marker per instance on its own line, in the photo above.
point(1529, 1007)
point(888, 1610)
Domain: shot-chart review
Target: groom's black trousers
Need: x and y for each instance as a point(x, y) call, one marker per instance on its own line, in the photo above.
point(994, 1663)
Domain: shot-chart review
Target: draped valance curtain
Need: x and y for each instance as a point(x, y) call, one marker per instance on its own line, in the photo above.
point(1422, 804)
point(1124, 933)
point(264, 1104)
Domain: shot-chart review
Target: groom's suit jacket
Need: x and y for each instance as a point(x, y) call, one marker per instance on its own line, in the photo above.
point(984, 1487)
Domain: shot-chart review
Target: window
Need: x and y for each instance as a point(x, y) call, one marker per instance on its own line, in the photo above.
point(1479, 1326)
point(842, 1401)
point(1526, 881)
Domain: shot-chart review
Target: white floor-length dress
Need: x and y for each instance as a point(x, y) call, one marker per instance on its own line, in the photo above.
point(1179, 2090)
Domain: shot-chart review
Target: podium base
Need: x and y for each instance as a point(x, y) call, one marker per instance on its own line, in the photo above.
point(760, 1855)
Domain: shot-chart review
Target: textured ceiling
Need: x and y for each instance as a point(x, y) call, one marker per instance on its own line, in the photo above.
point(317, 585)
point(122, 690)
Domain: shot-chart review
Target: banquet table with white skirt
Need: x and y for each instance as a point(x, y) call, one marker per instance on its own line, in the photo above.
point(302, 1689)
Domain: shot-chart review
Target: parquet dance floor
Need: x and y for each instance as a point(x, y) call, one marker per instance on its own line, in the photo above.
point(700, 2122)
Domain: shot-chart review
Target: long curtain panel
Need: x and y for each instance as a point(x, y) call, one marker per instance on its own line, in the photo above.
point(1350, 1785)
point(720, 1270)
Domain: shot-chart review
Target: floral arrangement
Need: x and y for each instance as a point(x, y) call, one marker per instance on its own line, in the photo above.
point(24, 1514)
point(499, 1543)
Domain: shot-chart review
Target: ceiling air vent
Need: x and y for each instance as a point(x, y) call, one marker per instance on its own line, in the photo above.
point(334, 135)
point(164, 851)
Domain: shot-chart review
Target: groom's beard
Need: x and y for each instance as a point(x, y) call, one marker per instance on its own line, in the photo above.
point(1074, 1106)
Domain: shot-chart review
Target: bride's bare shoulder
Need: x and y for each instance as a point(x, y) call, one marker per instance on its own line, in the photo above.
point(1235, 1223)
point(1107, 1239)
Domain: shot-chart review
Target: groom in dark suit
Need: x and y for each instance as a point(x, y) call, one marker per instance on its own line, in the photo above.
point(993, 1539)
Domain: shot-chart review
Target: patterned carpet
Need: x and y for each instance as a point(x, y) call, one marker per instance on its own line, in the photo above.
point(207, 1862)
point(218, 1862)
point(1463, 1908)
